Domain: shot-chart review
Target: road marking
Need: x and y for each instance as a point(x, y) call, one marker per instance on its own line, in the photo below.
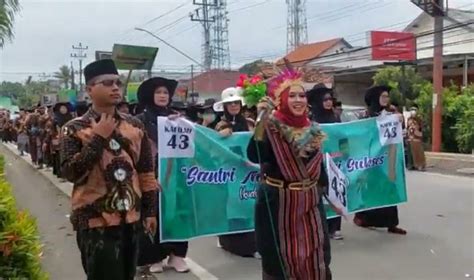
point(200, 272)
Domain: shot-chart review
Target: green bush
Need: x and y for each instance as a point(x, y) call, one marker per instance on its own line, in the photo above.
point(457, 119)
point(20, 249)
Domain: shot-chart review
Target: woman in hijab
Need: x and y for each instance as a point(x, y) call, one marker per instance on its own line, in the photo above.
point(321, 100)
point(205, 115)
point(231, 104)
point(377, 99)
point(62, 113)
point(288, 222)
point(155, 96)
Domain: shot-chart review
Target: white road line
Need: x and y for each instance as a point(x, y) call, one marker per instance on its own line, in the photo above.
point(200, 272)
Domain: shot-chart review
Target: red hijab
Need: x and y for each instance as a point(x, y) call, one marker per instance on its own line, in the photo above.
point(284, 114)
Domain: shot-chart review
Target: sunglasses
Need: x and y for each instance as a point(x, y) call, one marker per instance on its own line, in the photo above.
point(111, 82)
point(233, 102)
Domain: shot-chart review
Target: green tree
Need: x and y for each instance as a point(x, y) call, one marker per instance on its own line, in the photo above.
point(405, 86)
point(8, 10)
point(458, 115)
point(64, 75)
point(12, 90)
point(254, 67)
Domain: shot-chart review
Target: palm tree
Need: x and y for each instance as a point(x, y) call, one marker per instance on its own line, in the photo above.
point(64, 75)
point(8, 9)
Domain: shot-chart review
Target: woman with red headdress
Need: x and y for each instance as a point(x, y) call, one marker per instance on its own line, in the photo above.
point(287, 145)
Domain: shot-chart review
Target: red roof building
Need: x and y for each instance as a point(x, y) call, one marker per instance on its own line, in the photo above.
point(308, 52)
point(210, 84)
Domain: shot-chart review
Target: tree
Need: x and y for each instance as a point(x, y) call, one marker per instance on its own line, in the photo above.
point(64, 75)
point(255, 67)
point(457, 130)
point(8, 10)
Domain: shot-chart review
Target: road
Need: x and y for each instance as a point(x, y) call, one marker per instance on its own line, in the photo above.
point(439, 218)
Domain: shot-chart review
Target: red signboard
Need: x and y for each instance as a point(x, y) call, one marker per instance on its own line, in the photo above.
point(393, 45)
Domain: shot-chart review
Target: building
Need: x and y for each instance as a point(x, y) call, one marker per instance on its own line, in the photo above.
point(210, 84)
point(353, 69)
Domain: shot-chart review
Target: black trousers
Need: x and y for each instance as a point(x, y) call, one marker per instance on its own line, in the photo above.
point(334, 225)
point(109, 253)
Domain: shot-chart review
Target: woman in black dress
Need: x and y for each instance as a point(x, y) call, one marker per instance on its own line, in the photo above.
point(241, 244)
point(377, 99)
point(321, 99)
point(155, 96)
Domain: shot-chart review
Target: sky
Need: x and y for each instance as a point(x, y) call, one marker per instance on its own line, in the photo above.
point(45, 30)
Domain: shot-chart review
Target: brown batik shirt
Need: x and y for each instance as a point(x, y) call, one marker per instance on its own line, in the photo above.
point(113, 178)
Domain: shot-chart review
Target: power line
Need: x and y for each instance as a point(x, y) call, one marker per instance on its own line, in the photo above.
point(423, 34)
point(166, 13)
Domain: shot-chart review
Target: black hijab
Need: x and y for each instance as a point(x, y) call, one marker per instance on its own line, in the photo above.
point(59, 118)
point(316, 99)
point(372, 99)
point(237, 122)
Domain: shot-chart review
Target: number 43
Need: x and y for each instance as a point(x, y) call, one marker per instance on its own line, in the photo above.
point(390, 132)
point(181, 142)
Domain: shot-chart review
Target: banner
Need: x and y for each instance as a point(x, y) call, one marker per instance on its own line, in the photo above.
point(387, 45)
point(209, 185)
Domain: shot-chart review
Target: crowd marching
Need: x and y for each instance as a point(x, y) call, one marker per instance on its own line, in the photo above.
point(108, 150)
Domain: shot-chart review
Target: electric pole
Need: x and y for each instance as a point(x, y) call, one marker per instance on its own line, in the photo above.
point(73, 86)
point(202, 15)
point(220, 41)
point(297, 29)
point(435, 8)
point(79, 54)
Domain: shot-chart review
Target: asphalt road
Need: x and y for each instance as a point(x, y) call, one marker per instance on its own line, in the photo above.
point(439, 218)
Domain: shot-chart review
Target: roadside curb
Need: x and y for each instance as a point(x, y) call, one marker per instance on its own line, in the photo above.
point(64, 187)
point(197, 270)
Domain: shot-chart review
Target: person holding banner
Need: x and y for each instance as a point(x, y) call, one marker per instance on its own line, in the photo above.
point(107, 156)
point(321, 100)
point(377, 99)
point(231, 104)
point(155, 95)
point(288, 222)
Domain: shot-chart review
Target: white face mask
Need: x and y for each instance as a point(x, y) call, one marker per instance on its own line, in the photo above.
point(208, 117)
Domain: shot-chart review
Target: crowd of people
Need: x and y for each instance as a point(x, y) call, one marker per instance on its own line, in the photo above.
point(108, 150)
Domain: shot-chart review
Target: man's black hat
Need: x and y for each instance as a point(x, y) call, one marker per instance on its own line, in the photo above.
point(146, 90)
point(99, 67)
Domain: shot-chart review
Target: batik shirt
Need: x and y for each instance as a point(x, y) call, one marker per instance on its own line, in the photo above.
point(113, 178)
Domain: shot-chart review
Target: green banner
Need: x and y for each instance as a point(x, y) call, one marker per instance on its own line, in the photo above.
point(132, 89)
point(209, 186)
point(127, 57)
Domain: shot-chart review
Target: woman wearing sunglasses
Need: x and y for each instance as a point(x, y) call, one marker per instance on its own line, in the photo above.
point(321, 100)
point(233, 120)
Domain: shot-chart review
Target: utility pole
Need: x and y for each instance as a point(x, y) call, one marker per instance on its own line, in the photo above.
point(437, 80)
point(79, 54)
point(435, 8)
point(220, 40)
point(192, 79)
point(73, 86)
point(202, 15)
point(297, 29)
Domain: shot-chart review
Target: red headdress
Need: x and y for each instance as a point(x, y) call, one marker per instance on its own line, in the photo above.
point(279, 89)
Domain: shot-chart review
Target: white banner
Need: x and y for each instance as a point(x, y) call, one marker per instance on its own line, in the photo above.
point(175, 138)
point(338, 182)
point(390, 130)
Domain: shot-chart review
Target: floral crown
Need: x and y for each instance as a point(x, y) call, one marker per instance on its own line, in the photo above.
point(286, 79)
